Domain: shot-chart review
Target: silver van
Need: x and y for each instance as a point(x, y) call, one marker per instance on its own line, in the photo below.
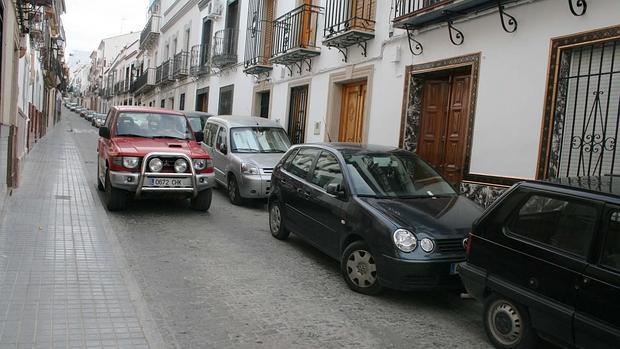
point(244, 150)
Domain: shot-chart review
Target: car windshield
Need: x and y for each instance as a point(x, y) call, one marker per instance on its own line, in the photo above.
point(259, 140)
point(153, 125)
point(395, 175)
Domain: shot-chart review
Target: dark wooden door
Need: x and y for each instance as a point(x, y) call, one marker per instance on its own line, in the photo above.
point(443, 127)
point(297, 114)
point(352, 112)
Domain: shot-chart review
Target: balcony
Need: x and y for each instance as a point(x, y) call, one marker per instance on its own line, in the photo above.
point(150, 33)
point(224, 48)
point(166, 72)
point(258, 41)
point(411, 14)
point(158, 72)
point(200, 63)
point(295, 36)
point(180, 68)
point(145, 82)
point(348, 23)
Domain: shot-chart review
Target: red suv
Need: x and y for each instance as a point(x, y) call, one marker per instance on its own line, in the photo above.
point(145, 151)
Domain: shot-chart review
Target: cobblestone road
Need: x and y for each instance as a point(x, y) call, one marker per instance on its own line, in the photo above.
point(219, 280)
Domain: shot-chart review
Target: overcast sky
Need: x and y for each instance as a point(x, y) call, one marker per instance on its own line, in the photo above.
point(88, 21)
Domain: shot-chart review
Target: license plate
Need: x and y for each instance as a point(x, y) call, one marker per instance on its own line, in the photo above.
point(170, 182)
point(453, 270)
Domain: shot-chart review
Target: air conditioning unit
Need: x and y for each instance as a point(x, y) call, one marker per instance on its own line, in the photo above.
point(214, 9)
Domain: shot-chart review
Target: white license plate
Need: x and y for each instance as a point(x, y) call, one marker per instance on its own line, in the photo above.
point(453, 267)
point(170, 182)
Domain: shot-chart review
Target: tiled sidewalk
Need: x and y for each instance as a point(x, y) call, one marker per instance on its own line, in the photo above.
point(61, 285)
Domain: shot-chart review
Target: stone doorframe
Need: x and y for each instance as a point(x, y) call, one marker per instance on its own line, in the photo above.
point(412, 103)
point(334, 100)
point(260, 87)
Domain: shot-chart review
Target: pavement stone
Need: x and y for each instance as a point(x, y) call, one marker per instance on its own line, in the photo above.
point(61, 282)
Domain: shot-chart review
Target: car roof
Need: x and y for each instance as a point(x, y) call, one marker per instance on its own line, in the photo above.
point(140, 109)
point(197, 114)
point(594, 187)
point(353, 148)
point(244, 121)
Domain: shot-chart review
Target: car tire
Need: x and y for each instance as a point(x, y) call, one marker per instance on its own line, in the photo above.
point(233, 191)
point(276, 221)
point(507, 324)
point(115, 199)
point(359, 269)
point(100, 186)
point(202, 201)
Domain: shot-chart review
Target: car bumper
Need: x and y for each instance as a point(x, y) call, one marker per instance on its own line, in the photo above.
point(474, 279)
point(255, 186)
point(131, 182)
point(404, 274)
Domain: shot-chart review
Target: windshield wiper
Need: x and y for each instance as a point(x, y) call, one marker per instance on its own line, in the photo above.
point(132, 135)
point(246, 150)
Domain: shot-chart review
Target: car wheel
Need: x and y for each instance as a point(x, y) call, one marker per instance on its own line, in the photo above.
point(359, 269)
point(202, 201)
point(233, 191)
point(276, 221)
point(99, 184)
point(115, 199)
point(508, 324)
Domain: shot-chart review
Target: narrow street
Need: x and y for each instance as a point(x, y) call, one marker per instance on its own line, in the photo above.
point(219, 280)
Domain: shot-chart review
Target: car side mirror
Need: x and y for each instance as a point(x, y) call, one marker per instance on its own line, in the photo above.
point(222, 148)
point(200, 136)
point(335, 190)
point(104, 132)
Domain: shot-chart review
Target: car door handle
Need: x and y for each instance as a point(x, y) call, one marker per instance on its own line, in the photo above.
point(303, 193)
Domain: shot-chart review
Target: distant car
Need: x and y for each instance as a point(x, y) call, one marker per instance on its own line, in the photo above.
point(545, 261)
point(197, 119)
point(152, 151)
point(99, 119)
point(387, 216)
point(73, 107)
point(245, 150)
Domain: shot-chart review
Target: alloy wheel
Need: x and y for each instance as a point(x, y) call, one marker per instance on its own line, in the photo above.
point(361, 268)
point(275, 219)
point(505, 323)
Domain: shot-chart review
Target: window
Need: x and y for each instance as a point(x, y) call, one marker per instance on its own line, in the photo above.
point(302, 162)
point(220, 144)
point(163, 103)
point(182, 101)
point(226, 100)
point(210, 132)
point(205, 48)
point(583, 117)
point(565, 224)
point(327, 171)
point(611, 249)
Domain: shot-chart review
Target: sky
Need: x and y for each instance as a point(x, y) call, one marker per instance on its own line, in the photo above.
point(86, 22)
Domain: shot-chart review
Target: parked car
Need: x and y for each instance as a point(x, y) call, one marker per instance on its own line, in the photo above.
point(73, 107)
point(385, 214)
point(99, 119)
point(545, 260)
point(88, 115)
point(146, 151)
point(245, 151)
point(197, 119)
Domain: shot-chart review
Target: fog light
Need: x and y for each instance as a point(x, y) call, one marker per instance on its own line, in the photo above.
point(427, 245)
point(156, 165)
point(180, 166)
point(129, 179)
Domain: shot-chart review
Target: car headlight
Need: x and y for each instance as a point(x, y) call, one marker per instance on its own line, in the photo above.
point(247, 168)
point(155, 165)
point(199, 164)
point(427, 245)
point(131, 162)
point(405, 240)
point(180, 165)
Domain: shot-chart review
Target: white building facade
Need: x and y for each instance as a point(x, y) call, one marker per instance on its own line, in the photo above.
point(488, 92)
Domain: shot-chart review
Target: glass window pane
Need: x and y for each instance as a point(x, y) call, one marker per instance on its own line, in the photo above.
point(327, 171)
point(611, 249)
point(300, 166)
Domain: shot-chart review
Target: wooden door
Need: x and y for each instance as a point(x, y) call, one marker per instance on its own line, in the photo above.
point(297, 114)
point(352, 112)
point(442, 137)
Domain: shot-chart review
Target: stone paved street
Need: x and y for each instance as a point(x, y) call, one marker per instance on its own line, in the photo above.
point(219, 280)
point(63, 282)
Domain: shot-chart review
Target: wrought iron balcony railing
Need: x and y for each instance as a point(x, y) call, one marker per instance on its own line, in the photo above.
point(200, 63)
point(348, 23)
point(180, 67)
point(166, 71)
point(259, 38)
point(295, 35)
point(224, 47)
point(150, 33)
point(406, 8)
point(144, 82)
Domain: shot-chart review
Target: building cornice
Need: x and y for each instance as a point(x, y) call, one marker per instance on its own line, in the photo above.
point(177, 16)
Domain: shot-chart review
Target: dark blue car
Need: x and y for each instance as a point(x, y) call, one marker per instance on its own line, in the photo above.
point(385, 214)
